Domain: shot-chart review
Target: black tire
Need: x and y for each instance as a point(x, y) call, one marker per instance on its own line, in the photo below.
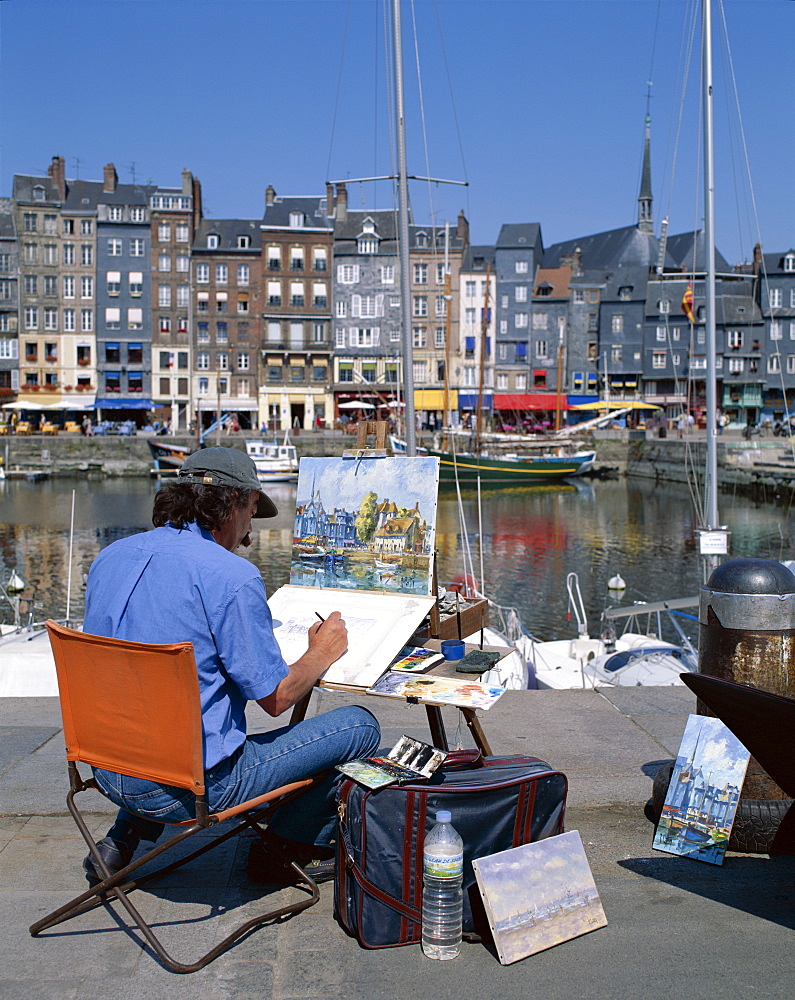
point(755, 823)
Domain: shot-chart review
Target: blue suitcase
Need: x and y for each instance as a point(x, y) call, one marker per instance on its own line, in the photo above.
point(496, 803)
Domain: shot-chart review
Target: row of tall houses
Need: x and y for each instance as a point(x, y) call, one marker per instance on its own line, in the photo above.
point(125, 298)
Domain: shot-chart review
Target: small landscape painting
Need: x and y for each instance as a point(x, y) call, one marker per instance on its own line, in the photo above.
point(366, 523)
point(705, 788)
point(538, 895)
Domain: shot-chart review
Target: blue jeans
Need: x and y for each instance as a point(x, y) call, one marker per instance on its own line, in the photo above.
point(263, 762)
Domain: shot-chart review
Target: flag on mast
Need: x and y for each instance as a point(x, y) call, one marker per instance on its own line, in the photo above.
point(687, 303)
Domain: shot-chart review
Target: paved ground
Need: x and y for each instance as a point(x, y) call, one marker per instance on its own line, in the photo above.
point(676, 927)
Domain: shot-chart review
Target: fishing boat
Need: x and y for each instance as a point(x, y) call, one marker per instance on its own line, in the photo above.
point(167, 457)
point(276, 463)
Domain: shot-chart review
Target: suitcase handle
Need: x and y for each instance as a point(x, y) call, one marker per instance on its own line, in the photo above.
point(462, 760)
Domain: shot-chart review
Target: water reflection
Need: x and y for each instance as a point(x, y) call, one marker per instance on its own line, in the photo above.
point(531, 538)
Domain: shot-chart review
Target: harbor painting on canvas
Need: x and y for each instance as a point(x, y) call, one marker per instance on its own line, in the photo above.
point(703, 793)
point(366, 523)
point(538, 895)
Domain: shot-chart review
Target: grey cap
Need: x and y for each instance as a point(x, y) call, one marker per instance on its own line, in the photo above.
point(226, 467)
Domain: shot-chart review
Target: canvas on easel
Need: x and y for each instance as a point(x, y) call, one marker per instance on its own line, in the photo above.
point(363, 545)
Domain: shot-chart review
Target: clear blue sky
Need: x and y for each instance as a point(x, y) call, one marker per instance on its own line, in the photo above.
point(539, 104)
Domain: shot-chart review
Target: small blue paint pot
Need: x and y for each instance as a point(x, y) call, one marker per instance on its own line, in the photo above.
point(453, 649)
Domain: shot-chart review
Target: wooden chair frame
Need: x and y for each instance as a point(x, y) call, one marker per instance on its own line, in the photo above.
point(174, 696)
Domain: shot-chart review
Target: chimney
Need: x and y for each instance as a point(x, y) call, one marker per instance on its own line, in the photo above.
point(57, 172)
point(576, 262)
point(462, 228)
point(342, 203)
point(197, 202)
point(109, 179)
point(329, 199)
point(270, 196)
point(187, 182)
point(757, 258)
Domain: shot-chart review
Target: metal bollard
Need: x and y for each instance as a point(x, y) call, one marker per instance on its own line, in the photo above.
point(747, 634)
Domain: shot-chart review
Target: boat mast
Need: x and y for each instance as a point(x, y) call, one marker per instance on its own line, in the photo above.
point(403, 236)
point(711, 479)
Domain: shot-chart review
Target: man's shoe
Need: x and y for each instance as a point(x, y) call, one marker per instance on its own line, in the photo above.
point(271, 862)
point(115, 854)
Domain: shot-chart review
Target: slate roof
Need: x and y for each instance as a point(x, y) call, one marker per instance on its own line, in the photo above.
point(679, 253)
point(228, 231)
point(774, 262)
point(314, 209)
point(82, 196)
point(473, 253)
point(7, 229)
point(609, 250)
point(518, 234)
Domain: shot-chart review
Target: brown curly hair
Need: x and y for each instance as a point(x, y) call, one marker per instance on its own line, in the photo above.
point(210, 506)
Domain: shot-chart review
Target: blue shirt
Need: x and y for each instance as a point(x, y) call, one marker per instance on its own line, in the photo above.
point(180, 585)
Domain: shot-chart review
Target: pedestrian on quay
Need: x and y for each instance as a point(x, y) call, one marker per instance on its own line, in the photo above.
point(182, 582)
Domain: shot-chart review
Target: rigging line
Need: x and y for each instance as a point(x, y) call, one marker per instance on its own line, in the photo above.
point(431, 206)
point(452, 95)
point(339, 90)
point(683, 73)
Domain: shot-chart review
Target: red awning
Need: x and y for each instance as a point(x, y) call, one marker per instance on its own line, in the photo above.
point(530, 401)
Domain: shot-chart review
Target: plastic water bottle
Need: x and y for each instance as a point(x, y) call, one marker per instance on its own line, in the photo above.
point(442, 889)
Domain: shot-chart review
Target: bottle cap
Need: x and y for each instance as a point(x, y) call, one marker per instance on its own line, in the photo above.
point(443, 815)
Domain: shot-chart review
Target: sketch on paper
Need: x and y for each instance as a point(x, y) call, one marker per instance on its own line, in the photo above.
point(460, 692)
point(365, 524)
point(378, 626)
point(704, 791)
point(538, 895)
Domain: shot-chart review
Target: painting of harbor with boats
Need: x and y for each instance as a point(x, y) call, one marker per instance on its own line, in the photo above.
point(705, 788)
point(365, 523)
point(539, 895)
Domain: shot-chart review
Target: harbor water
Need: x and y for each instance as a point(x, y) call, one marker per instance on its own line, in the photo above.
point(525, 539)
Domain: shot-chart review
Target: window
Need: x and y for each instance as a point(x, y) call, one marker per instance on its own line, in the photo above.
point(469, 377)
point(364, 336)
point(664, 306)
point(136, 248)
point(31, 317)
point(441, 306)
point(420, 274)
point(438, 337)
point(221, 333)
point(341, 309)
point(521, 267)
point(297, 259)
point(212, 241)
point(541, 348)
point(203, 332)
point(50, 285)
point(661, 334)
point(503, 326)
point(774, 364)
point(164, 296)
point(776, 298)
point(734, 339)
point(503, 302)
point(625, 292)
point(274, 293)
point(115, 213)
point(222, 361)
point(183, 296)
point(296, 293)
point(136, 282)
point(776, 330)
point(86, 227)
point(243, 361)
point(243, 274)
point(736, 365)
point(114, 248)
point(86, 320)
point(274, 373)
point(520, 383)
point(469, 317)
point(203, 361)
point(617, 323)
point(68, 227)
point(164, 262)
point(182, 263)
point(69, 254)
point(164, 232)
point(164, 325)
point(616, 354)
point(348, 274)
point(502, 382)
point(521, 321)
point(319, 296)
point(182, 232)
point(86, 287)
point(540, 321)
point(51, 224)
point(202, 273)
point(658, 359)
point(274, 258)
point(420, 369)
point(242, 332)
point(319, 259)
point(521, 293)
point(182, 324)
point(50, 321)
point(31, 284)
point(221, 274)
point(420, 305)
point(86, 254)
point(69, 321)
point(578, 295)
point(418, 336)
point(388, 274)
point(135, 319)
point(30, 222)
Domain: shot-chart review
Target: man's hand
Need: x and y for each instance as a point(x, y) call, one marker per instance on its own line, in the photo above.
point(328, 640)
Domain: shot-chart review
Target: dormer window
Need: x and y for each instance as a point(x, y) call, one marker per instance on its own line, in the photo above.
point(38, 193)
point(789, 262)
point(367, 245)
point(422, 239)
point(625, 292)
point(212, 241)
point(296, 220)
point(138, 214)
point(664, 306)
point(243, 242)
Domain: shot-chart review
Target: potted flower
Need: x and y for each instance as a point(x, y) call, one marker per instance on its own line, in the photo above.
point(31, 357)
point(34, 386)
point(83, 362)
point(51, 357)
point(67, 388)
point(79, 387)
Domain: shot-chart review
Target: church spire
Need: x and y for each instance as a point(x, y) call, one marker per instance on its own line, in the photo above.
point(645, 218)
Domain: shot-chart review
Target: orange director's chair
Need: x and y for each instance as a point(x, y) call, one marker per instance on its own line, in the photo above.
point(133, 708)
